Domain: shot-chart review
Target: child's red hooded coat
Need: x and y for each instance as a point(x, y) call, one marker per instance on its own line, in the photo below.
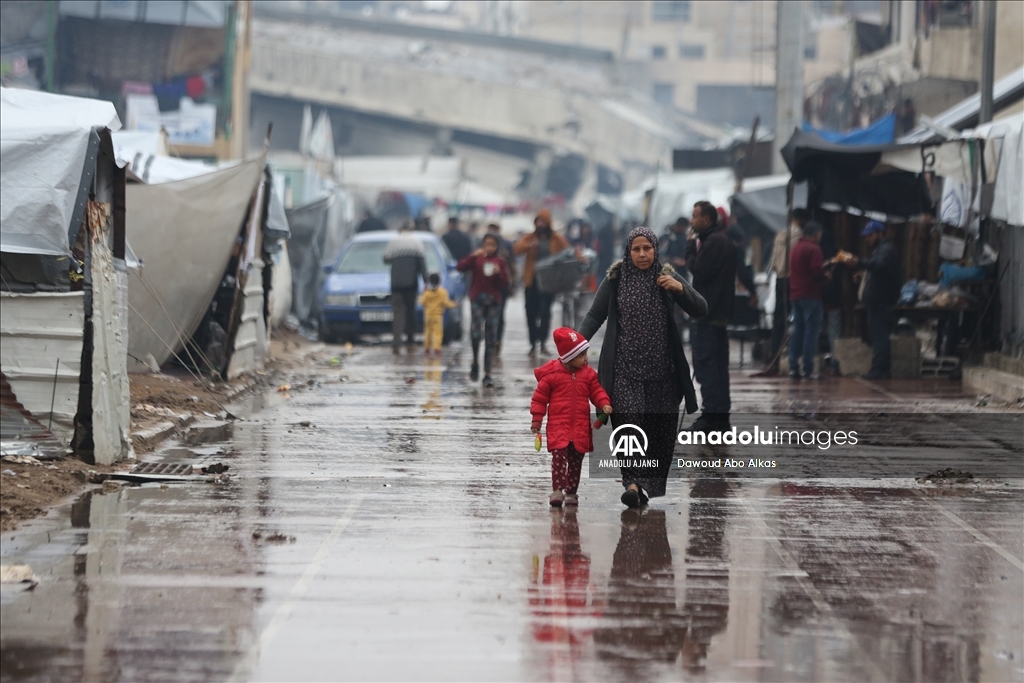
point(565, 395)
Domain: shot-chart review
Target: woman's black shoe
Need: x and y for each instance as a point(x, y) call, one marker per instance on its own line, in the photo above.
point(631, 498)
point(474, 372)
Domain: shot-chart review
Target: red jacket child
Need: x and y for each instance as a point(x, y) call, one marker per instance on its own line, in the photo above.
point(565, 392)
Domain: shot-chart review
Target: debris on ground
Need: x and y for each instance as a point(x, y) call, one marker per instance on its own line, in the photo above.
point(21, 459)
point(18, 573)
point(305, 423)
point(155, 398)
point(278, 537)
point(148, 409)
point(38, 487)
point(983, 401)
point(167, 396)
point(284, 388)
point(948, 475)
point(216, 468)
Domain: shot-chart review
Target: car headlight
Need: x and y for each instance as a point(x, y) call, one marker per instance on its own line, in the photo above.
point(341, 300)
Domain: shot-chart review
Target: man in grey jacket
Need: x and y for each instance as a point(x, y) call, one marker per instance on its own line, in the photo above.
point(405, 256)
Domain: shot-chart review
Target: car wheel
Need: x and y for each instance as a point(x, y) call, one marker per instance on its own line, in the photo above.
point(325, 333)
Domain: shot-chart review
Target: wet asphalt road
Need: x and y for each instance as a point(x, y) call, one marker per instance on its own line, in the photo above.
point(405, 535)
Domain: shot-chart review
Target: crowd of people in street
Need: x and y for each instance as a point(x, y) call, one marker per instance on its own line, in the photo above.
point(686, 278)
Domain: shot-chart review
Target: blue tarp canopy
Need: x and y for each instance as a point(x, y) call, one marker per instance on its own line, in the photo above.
point(881, 132)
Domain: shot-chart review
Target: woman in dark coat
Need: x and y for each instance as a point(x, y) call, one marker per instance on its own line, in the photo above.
point(642, 364)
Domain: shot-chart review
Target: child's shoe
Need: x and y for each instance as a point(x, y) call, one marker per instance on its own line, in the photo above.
point(555, 499)
point(571, 500)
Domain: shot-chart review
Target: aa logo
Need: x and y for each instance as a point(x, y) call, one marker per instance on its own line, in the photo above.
point(628, 441)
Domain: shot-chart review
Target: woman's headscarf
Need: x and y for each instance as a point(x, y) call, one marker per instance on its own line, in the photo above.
point(642, 351)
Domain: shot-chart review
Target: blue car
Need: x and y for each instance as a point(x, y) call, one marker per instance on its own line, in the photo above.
point(356, 295)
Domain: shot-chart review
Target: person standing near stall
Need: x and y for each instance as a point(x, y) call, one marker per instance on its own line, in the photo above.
point(881, 291)
point(780, 264)
point(642, 364)
point(807, 274)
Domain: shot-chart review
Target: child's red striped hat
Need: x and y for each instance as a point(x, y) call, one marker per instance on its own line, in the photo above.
point(569, 343)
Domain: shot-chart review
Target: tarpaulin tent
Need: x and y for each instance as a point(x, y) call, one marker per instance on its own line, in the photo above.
point(880, 132)
point(762, 212)
point(435, 177)
point(845, 177)
point(44, 143)
point(62, 236)
point(764, 200)
point(306, 253)
point(674, 194)
point(184, 233)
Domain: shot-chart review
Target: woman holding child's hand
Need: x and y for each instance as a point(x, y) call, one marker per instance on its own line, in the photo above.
point(642, 362)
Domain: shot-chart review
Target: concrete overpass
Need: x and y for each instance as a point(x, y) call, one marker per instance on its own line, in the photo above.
point(555, 98)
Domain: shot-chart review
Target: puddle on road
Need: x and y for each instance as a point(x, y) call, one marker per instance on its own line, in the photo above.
point(253, 403)
point(147, 569)
point(738, 582)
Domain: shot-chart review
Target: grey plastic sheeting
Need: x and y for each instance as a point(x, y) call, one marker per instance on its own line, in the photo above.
point(308, 225)
point(768, 206)
point(44, 141)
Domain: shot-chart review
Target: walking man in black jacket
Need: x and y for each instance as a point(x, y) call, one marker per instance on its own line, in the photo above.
point(711, 258)
point(458, 242)
point(881, 291)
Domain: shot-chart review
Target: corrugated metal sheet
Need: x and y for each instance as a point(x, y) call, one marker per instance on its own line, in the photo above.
point(251, 340)
point(1011, 291)
point(22, 434)
point(35, 331)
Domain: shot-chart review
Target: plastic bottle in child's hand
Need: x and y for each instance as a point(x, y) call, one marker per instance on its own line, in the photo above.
point(536, 443)
point(601, 420)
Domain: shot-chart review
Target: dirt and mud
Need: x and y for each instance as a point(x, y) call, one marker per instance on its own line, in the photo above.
point(27, 489)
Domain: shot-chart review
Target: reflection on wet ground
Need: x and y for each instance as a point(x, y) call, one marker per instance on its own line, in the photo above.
point(403, 533)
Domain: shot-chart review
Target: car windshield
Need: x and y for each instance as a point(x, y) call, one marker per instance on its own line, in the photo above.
point(368, 257)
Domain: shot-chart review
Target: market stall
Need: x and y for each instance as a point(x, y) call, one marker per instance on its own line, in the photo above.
point(929, 196)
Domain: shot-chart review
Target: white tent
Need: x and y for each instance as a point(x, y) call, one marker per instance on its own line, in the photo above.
point(434, 177)
point(1007, 200)
point(59, 177)
point(43, 142)
point(1003, 156)
point(146, 155)
point(674, 194)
